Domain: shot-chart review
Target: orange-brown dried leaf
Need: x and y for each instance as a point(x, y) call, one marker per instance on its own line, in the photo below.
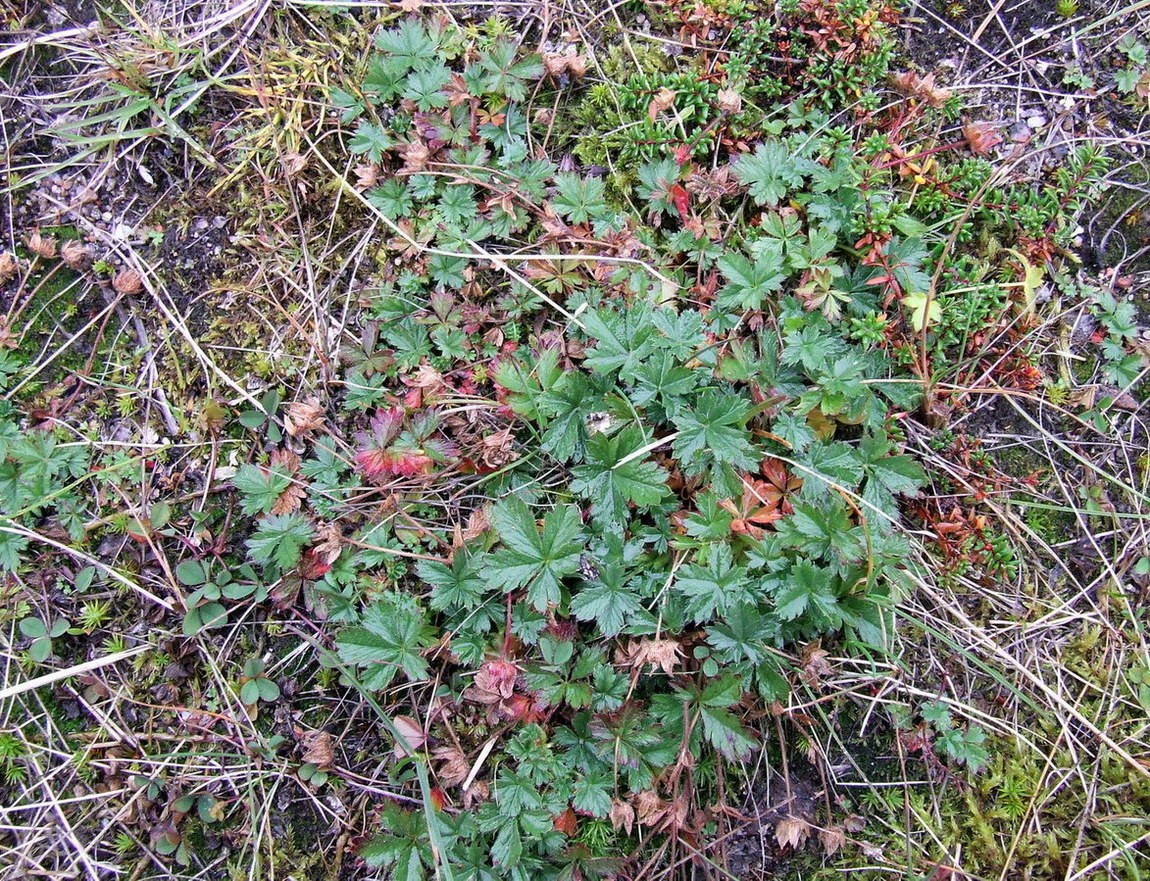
point(832, 839)
point(454, 768)
point(303, 417)
point(128, 281)
point(792, 832)
point(665, 654)
point(42, 245)
point(567, 823)
point(75, 254)
point(981, 136)
point(318, 748)
point(622, 816)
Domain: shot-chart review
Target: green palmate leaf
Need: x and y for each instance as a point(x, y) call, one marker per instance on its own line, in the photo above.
point(823, 529)
point(610, 482)
point(456, 586)
point(578, 198)
point(425, 87)
point(887, 475)
point(829, 467)
point(769, 172)
point(726, 734)
point(404, 845)
point(260, 487)
point(385, 77)
point(507, 75)
point(411, 43)
point(533, 558)
point(656, 180)
point(566, 405)
point(906, 257)
point(280, 539)
point(716, 587)
point(715, 431)
point(682, 332)
point(625, 340)
point(719, 726)
point(659, 378)
point(390, 639)
point(370, 140)
point(608, 601)
point(749, 281)
point(741, 637)
point(12, 545)
point(807, 586)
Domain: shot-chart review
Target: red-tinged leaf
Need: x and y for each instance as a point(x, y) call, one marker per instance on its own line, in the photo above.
point(312, 565)
point(567, 823)
point(981, 136)
point(438, 798)
point(522, 709)
point(880, 279)
point(393, 463)
point(682, 153)
point(682, 200)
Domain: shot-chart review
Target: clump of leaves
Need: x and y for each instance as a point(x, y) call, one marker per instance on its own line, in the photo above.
point(670, 479)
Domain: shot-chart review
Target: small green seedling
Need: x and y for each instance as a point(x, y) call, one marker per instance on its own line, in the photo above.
point(255, 418)
point(313, 774)
point(204, 609)
point(255, 686)
point(42, 634)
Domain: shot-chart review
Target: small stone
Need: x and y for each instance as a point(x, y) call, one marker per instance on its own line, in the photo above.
point(1020, 132)
point(1036, 121)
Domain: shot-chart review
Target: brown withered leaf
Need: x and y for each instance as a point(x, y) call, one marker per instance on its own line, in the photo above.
point(622, 816)
point(498, 449)
point(75, 254)
point(792, 832)
point(650, 807)
point(729, 101)
point(293, 163)
point(410, 5)
point(292, 497)
point(577, 66)
point(475, 794)
point(412, 732)
point(285, 460)
point(366, 175)
point(456, 90)
point(330, 542)
point(128, 281)
point(318, 748)
point(914, 85)
point(477, 524)
point(814, 663)
point(663, 100)
point(415, 156)
point(554, 64)
point(303, 417)
point(981, 136)
point(8, 266)
point(42, 245)
point(454, 768)
point(832, 840)
point(289, 500)
point(567, 823)
point(662, 653)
